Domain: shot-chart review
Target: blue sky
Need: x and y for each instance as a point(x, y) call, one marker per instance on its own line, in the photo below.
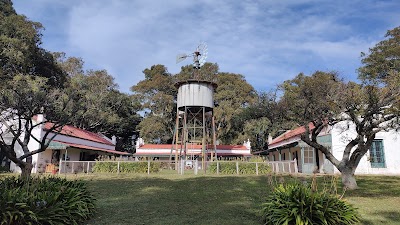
point(267, 41)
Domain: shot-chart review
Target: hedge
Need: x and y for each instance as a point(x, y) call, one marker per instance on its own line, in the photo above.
point(126, 167)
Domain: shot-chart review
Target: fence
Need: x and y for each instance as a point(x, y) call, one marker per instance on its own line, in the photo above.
point(183, 166)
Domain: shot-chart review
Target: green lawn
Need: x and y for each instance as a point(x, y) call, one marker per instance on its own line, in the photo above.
point(188, 199)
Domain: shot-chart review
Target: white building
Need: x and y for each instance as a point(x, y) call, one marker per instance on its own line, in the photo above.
point(194, 151)
point(70, 143)
point(382, 158)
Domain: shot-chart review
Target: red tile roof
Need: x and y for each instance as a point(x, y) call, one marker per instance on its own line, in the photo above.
point(80, 133)
point(189, 146)
point(92, 148)
point(208, 153)
point(292, 133)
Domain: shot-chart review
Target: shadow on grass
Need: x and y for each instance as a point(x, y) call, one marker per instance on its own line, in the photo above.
point(199, 200)
point(124, 199)
point(386, 217)
point(376, 186)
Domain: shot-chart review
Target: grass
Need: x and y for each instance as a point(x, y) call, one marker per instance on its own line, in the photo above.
point(378, 199)
point(188, 199)
point(179, 200)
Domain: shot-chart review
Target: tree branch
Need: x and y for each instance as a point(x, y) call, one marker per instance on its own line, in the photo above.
point(313, 143)
point(349, 146)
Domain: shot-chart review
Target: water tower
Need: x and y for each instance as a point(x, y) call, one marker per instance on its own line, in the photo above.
point(195, 126)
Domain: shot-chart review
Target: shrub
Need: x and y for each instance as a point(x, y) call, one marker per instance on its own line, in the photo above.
point(4, 169)
point(244, 168)
point(105, 167)
point(298, 203)
point(126, 167)
point(48, 200)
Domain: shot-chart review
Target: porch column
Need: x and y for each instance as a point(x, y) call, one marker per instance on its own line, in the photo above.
point(302, 156)
point(290, 154)
point(279, 156)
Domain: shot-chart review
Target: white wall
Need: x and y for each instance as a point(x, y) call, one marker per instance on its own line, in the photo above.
point(391, 144)
point(40, 158)
point(32, 145)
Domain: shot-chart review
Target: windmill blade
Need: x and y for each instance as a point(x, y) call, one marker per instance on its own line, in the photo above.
point(202, 48)
point(181, 57)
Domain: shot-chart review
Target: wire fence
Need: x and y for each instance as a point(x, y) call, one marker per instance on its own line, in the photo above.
point(180, 167)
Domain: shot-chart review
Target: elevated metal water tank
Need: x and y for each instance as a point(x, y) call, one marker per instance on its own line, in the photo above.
point(195, 93)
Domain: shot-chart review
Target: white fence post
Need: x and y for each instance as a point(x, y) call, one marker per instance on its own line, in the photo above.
point(196, 167)
point(183, 166)
point(118, 168)
point(59, 167)
point(289, 166)
point(256, 168)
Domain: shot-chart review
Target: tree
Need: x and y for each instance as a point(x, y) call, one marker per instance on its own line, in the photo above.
point(30, 79)
point(20, 52)
point(33, 83)
point(108, 111)
point(125, 120)
point(232, 96)
point(158, 95)
point(323, 99)
point(208, 72)
point(22, 99)
point(383, 59)
point(261, 119)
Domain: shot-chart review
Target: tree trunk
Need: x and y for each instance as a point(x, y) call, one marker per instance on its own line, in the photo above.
point(26, 169)
point(348, 180)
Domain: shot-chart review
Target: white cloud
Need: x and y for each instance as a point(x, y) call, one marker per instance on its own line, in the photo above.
point(267, 41)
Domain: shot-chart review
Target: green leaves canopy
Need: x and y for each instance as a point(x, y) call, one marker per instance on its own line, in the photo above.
point(158, 96)
point(20, 51)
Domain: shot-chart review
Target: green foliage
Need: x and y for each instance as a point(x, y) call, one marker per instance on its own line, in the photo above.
point(297, 203)
point(126, 167)
point(232, 96)
point(48, 200)
point(244, 168)
point(4, 169)
point(383, 59)
point(158, 96)
point(372, 105)
point(20, 41)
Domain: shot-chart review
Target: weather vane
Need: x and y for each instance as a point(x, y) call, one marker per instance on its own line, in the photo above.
point(199, 58)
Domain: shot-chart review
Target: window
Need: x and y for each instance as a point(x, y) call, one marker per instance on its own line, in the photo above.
point(377, 154)
point(308, 155)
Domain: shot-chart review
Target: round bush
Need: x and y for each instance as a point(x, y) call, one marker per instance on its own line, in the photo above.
point(48, 200)
point(299, 204)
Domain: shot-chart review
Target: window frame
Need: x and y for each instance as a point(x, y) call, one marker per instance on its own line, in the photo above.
point(377, 160)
